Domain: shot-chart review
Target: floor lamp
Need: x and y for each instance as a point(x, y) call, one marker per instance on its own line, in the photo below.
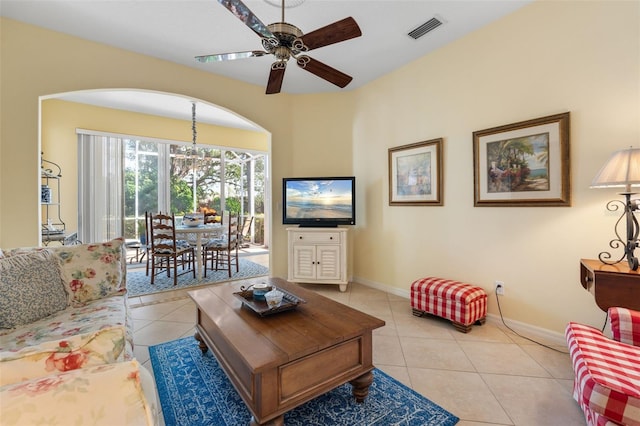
point(622, 170)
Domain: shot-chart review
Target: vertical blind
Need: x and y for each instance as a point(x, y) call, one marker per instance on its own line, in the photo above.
point(100, 188)
point(101, 183)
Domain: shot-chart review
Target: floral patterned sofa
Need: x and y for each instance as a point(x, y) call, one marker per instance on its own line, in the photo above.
point(65, 329)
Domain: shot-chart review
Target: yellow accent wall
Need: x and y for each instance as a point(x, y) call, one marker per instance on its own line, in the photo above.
point(60, 119)
point(37, 63)
point(546, 58)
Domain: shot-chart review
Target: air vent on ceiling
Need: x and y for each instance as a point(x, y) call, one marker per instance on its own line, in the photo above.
point(430, 25)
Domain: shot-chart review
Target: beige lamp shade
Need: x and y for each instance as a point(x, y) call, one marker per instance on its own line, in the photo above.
point(622, 169)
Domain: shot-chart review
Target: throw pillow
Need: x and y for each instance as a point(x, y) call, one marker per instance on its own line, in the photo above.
point(31, 288)
point(93, 271)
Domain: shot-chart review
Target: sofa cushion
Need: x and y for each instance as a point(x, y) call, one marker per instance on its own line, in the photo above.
point(103, 395)
point(31, 288)
point(625, 325)
point(78, 337)
point(92, 271)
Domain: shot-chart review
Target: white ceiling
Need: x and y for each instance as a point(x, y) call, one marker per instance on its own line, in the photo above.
point(178, 30)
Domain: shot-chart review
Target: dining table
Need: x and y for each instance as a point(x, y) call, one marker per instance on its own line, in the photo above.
point(197, 235)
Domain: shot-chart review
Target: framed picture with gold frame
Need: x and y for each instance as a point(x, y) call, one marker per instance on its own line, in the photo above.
point(415, 174)
point(523, 164)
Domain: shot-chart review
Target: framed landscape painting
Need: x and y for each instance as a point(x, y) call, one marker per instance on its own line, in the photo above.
point(415, 174)
point(523, 164)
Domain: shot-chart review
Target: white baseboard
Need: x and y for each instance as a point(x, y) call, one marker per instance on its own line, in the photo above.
point(383, 287)
point(529, 330)
point(533, 332)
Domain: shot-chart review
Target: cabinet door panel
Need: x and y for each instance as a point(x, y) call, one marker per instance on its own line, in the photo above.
point(304, 262)
point(328, 262)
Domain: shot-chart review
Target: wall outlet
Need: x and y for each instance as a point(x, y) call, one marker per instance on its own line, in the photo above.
point(499, 288)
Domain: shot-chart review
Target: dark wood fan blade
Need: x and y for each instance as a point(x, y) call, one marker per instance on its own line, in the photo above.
point(316, 67)
point(275, 77)
point(333, 33)
point(243, 13)
point(230, 56)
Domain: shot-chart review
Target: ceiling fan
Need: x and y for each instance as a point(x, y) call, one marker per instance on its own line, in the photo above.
point(285, 41)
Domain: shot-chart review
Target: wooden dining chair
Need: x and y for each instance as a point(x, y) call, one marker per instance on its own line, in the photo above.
point(166, 253)
point(147, 240)
point(244, 235)
point(222, 252)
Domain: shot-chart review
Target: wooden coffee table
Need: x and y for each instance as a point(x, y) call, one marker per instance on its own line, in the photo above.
point(281, 361)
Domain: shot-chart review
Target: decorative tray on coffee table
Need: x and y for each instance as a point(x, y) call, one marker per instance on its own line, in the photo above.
point(289, 301)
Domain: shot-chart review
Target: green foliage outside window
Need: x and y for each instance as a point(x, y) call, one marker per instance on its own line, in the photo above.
point(142, 161)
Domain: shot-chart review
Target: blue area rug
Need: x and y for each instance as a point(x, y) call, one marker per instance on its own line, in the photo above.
point(138, 283)
point(195, 391)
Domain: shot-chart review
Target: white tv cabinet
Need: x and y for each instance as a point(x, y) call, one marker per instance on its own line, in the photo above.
point(318, 256)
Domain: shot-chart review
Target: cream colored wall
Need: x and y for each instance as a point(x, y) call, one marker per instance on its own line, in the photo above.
point(36, 62)
point(321, 126)
point(547, 58)
point(60, 119)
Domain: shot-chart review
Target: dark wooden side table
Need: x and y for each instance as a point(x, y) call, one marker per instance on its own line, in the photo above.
point(611, 285)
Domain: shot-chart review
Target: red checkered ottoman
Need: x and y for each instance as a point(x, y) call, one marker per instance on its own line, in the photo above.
point(462, 304)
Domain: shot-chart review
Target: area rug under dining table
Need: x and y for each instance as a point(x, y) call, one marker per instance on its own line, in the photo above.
point(195, 391)
point(138, 283)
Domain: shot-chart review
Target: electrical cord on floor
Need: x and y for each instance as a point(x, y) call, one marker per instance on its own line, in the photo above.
point(606, 319)
point(520, 335)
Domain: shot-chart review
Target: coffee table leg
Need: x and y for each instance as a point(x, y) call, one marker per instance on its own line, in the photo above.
point(361, 386)
point(201, 344)
point(278, 421)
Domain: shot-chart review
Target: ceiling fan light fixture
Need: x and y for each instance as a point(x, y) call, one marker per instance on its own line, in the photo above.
point(285, 30)
point(282, 53)
point(284, 40)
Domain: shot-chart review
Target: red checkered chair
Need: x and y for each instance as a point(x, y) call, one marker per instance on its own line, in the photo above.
point(607, 371)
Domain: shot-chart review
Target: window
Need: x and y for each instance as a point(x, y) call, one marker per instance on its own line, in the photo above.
point(167, 176)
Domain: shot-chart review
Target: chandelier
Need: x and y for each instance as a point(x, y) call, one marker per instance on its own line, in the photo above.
point(194, 152)
point(194, 148)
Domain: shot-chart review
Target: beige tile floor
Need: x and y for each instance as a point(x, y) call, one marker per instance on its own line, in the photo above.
point(489, 376)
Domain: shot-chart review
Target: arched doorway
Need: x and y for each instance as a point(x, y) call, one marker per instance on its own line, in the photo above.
point(149, 116)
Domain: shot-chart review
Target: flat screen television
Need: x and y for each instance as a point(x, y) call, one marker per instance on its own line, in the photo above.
point(319, 201)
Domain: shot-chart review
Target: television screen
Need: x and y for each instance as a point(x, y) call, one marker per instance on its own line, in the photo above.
point(321, 201)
